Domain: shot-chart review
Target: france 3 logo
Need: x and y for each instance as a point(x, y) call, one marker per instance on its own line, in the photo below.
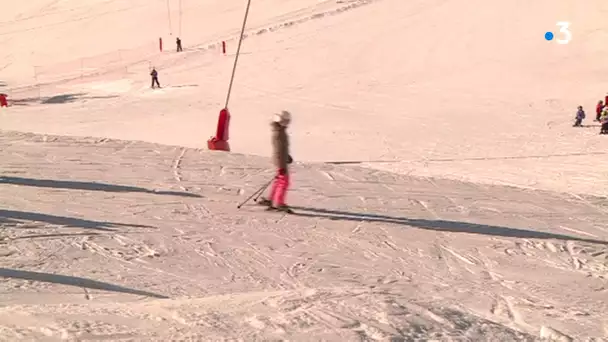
point(564, 29)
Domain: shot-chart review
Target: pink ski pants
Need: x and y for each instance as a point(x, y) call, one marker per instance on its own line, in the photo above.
point(278, 192)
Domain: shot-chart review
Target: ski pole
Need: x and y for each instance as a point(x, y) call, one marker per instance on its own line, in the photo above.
point(261, 191)
point(258, 193)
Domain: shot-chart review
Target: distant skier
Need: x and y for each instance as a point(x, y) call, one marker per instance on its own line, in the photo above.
point(580, 115)
point(281, 158)
point(598, 110)
point(179, 44)
point(154, 75)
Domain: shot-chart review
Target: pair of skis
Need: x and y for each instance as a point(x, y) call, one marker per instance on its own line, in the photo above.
point(271, 209)
point(264, 202)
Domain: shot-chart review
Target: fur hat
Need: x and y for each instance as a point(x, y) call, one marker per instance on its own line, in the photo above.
point(283, 118)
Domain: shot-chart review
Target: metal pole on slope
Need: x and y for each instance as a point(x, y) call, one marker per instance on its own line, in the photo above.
point(36, 80)
point(180, 18)
point(238, 50)
point(169, 16)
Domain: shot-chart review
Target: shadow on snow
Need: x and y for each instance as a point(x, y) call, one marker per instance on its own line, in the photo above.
point(73, 281)
point(438, 225)
point(183, 86)
point(90, 186)
point(57, 99)
point(17, 217)
point(540, 156)
point(54, 235)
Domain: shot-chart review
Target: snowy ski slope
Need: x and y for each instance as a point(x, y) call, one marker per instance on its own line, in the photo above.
point(441, 191)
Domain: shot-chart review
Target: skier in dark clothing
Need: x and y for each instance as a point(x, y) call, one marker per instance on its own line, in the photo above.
point(580, 115)
point(154, 75)
point(179, 44)
point(282, 158)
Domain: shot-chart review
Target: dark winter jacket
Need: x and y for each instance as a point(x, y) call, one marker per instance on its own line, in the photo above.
point(580, 114)
point(280, 146)
point(154, 73)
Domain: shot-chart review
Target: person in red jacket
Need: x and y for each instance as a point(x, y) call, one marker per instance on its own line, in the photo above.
point(598, 110)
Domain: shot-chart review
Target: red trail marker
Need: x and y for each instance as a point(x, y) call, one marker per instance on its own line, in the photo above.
point(3, 101)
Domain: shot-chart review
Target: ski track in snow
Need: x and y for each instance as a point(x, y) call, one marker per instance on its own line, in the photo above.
point(345, 270)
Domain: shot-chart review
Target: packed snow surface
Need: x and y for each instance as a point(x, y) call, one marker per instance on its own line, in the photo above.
point(440, 190)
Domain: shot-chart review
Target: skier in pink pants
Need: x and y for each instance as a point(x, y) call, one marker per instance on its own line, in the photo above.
point(281, 158)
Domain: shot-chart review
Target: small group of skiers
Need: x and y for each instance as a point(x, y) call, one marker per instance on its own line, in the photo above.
point(601, 116)
point(281, 157)
point(154, 73)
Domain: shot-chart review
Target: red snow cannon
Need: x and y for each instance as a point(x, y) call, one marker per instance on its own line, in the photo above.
point(220, 141)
